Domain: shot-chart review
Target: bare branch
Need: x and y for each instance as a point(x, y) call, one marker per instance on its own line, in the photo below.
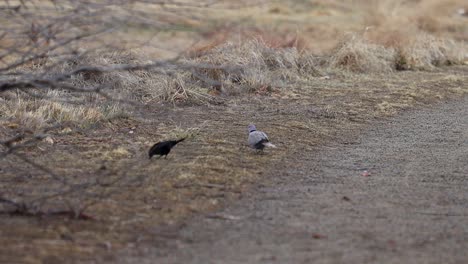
point(43, 51)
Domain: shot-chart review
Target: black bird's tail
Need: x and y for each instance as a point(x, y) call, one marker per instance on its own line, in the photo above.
point(174, 142)
point(179, 140)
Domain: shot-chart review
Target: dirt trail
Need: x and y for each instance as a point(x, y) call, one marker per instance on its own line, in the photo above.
point(413, 208)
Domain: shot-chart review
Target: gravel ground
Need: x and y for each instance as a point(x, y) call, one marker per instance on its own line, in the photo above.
point(394, 193)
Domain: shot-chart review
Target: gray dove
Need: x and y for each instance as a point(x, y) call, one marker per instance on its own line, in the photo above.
point(258, 139)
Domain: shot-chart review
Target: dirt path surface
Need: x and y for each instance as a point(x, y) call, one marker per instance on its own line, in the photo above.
point(319, 207)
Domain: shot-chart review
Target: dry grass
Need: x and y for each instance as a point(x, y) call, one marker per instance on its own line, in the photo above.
point(51, 109)
point(260, 66)
point(424, 52)
point(144, 86)
point(362, 54)
point(438, 18)
point(357, 55)
point(405, 35)
point(299, 98)
point(249, 67)
point(388, 36)
point(425, 34)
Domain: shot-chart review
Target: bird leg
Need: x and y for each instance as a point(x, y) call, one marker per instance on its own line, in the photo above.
point(259, 151)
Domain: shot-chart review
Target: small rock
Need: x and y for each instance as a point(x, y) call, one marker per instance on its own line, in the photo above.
point(67, 236)
point(130, 132)
point(462, 12)
point(66, 130)
point(365, 173)
point(318, 236)
point(49, 140)
point(12, 125)
point(107, 245)
point(64, 233)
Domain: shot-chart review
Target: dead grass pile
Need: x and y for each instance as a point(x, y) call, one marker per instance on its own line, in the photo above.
point(38, 107)
point(424, 52)
point(114, 79)
point(419, 50)
point(258, 66)
point(223, 34)
point(400, 35)
point(425, 34)
point(355, 54)
point(440, 18)
point(34, 113)
point(233, 68)
point(143, 85)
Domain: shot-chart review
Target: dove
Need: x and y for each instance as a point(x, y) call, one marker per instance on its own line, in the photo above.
point(258, 139)
point(163, 148)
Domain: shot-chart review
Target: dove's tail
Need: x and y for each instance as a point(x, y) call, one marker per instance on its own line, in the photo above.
point(269, 145)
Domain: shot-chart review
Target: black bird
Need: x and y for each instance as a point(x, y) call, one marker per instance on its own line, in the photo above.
point(163, 148)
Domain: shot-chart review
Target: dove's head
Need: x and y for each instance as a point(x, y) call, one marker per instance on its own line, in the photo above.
point(252, 128)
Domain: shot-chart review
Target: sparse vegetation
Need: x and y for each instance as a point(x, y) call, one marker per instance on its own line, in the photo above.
point(87, 111)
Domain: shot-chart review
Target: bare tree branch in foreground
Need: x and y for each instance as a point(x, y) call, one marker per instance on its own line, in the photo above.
point(42, 45)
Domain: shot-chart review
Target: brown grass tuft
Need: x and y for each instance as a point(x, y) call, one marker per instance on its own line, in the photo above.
point(424, 51)
point(227, 34)
point(141, 85)
point(35, 113)
point(425, 34)
point(355, 54)
point(259, 64)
